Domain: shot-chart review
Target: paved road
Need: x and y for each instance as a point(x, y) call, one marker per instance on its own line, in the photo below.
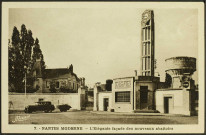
point(86, 117)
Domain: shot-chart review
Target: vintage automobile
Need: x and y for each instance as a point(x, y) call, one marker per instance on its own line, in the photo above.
point(64, 107)
point(45, 106)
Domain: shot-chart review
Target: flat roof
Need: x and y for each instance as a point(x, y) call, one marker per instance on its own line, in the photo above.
point(124, 77)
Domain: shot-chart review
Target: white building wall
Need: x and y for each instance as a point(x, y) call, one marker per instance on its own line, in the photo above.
point(19, 100)
point(123, 106)
point(103, 95)
point(180, 99)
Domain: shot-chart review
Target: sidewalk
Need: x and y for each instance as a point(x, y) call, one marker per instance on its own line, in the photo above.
point(135, 114)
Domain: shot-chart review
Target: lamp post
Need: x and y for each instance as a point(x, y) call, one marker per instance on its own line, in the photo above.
point(25, 85)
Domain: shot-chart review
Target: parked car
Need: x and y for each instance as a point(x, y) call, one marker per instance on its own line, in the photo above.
point(45, 106)
point(64, 107)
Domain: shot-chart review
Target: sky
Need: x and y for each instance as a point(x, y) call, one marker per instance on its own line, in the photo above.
point(104, 43)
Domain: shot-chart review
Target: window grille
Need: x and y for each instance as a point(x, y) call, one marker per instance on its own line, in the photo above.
point(122, 96)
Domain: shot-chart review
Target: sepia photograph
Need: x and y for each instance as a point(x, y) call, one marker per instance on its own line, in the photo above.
point(102, 67)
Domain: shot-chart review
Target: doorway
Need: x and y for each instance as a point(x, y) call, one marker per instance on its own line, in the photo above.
point(168, 104)
point(106, 104)
point(143, 97)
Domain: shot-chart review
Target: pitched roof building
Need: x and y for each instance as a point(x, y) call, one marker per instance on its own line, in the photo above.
point(60, 79)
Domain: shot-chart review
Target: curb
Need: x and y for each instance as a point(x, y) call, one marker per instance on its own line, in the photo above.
point(136, 114)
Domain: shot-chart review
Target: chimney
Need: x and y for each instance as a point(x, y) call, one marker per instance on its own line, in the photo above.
point(109, 85)
point(83, 81)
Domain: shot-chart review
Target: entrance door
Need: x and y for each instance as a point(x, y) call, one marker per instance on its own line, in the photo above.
point(168, 104)
point(143, 97)
point(106, 103)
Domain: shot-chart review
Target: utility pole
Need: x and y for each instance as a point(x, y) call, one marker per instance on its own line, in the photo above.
point(25, 86)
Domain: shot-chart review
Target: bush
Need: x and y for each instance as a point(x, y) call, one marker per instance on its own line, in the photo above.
point(65, 89)
point(30, 89)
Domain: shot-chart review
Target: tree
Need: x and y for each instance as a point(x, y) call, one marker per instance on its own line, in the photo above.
point(37, 54)
point(22, 56)
point(11, 66)
point(15, 61)
point(168, 80)
point(28, 50)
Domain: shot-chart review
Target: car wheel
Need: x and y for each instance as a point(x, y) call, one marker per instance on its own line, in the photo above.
point(29, 111)
point(46, 111)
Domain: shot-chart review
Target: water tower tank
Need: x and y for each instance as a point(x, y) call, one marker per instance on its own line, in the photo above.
point(182, 65)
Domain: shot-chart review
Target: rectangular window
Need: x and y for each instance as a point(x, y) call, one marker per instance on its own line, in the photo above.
point(148, 48)
point(148, 33)
point(143, 61)
point(77, 86)
point(145, 48)
point(57, 84)
point(69, 85)
point(148, 63)
point(63, 83)
point(145, 33)
point(122, 96)
point(143, 94)
point(73, 86)
point(47, 84)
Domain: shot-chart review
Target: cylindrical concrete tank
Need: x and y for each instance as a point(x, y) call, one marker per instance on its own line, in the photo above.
point(180, 65)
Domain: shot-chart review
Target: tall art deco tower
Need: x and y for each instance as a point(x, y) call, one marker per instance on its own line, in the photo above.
point(147, 43)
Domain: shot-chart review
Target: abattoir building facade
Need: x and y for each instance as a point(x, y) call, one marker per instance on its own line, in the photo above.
point(146, 93)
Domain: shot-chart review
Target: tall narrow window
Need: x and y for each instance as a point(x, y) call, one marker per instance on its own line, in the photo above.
point(148, 48)
point(143, 63)
point(145, 33)
point(57, 84)
point(145, 48)
point(47, 84)
point(149, 33)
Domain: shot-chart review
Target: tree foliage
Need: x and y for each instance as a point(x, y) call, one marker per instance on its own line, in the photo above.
point(168, 80)
point(21, 58)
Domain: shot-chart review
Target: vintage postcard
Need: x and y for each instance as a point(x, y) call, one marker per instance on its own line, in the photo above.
point(102, 67)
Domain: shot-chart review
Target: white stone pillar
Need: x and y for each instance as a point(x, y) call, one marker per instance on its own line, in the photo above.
point(95, 107)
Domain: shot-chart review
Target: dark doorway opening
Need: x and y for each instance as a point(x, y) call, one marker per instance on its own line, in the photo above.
point(106, 103)
point(143, 97)
point(167, 104)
